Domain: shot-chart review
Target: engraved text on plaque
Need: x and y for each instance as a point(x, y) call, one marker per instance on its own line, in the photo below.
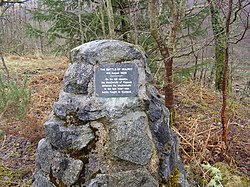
point(116, 80)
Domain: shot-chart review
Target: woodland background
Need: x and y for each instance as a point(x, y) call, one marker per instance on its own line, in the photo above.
point(198, 52)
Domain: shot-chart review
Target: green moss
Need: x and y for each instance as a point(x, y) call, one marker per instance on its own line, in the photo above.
point(172, 117)
point(232, 177)
point(13, 177)
point(173, 178)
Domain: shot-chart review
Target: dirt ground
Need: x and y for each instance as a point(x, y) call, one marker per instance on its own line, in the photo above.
point(197, 124)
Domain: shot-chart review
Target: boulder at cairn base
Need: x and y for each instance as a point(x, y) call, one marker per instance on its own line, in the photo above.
point(109, 127)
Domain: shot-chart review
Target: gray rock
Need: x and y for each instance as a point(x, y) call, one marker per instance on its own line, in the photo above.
point(41, 181)
point(158, 118)
point(133, 178)
point(44, 155)
point(106, 51)
point(77, 78)
point(66, 169)
point(82, 109)
point(129, 139)
point(70, 138)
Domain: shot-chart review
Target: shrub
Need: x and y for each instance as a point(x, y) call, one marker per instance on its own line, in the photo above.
point(216, 176)
point(14, 99)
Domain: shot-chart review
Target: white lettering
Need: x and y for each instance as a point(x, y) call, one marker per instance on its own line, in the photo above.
point(127, 69)
point(126, 92)
point(105, 92)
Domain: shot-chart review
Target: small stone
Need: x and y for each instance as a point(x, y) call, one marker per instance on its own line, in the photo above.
point(6, 178)
point(66, 169)
point(41, 181)
point(131, 178)
point(44, 155)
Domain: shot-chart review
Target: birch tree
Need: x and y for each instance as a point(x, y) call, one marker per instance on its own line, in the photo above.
point(220, 39)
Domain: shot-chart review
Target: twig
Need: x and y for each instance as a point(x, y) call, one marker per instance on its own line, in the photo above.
point(206, 142)
point(194, 137)
point(183, 138)
point(5, 66)
point(4, 140)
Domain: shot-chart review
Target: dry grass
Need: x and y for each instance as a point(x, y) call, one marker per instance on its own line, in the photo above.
point(45, 78)
point(199, 128)
point(21, 136)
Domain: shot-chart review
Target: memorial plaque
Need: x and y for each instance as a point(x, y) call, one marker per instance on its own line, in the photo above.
point(116, 80)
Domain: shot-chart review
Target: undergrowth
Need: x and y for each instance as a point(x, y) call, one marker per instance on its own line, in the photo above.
point(14, 99)
point(199, 128)
point(215, 174)
point(12, 177)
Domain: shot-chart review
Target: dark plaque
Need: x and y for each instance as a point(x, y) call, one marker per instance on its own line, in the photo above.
point(116, 80)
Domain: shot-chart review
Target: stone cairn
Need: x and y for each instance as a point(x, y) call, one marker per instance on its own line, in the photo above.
point(110, 127)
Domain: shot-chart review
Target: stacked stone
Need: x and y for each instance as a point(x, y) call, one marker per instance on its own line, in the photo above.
point(94, 141)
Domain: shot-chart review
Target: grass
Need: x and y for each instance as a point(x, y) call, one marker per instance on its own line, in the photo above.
point(13, 177)
point(19, 138)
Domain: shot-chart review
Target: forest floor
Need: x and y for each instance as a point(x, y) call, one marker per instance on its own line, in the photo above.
point(197, 124)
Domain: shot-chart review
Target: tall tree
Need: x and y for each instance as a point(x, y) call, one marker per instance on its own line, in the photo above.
point(80, 7)
point(225, 74)
point(167, 49)
point(218, 9)
point(220, 41)
point(221, 29)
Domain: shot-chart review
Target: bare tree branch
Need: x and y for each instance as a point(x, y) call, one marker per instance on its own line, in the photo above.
point(239, 8)
point(245, 30)
point(6, 4)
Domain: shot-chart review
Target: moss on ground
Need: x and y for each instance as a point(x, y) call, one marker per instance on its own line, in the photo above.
point(13, 177)
point(232, 177)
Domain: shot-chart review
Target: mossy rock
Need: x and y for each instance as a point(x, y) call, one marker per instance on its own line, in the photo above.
point(173, 179)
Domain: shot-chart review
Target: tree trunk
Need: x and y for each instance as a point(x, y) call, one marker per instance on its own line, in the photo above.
point(220, 39)
point(5, 67)
point(124, 7)
point(80, 20)
point(168, 60)
point(224, 120)
point(111, 19)
point(102, 8)
point(133, 21)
